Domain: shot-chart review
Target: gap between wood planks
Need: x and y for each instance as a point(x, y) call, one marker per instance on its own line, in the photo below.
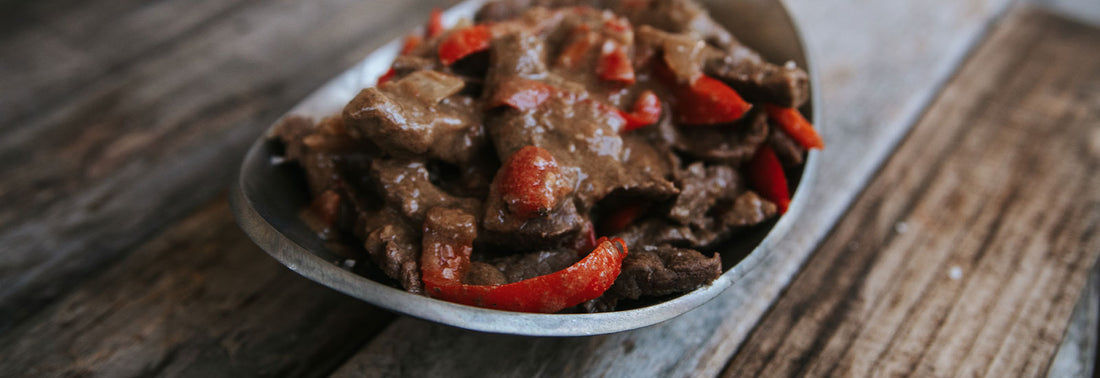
point(966, 254)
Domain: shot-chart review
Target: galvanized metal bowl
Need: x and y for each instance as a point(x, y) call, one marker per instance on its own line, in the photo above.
point(267, 200)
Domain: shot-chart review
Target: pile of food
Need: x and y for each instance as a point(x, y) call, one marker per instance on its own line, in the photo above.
point(557, 156)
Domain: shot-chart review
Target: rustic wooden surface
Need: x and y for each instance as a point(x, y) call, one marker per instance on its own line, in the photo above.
point(966, 254)
point(121, 123)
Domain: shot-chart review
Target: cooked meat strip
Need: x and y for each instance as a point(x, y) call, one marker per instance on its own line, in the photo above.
point(394, 249)
point(481, 273)
point(504, 230)
point(660, 270)
point(683, 53)
point(757, 80)
point(700, 189)
point(648, 168)
point(730, 144)
point(406, 185)
point(655, 231)
point(530, 265)
point(747, 210)
point(418, 115)
point(789, 151)
point(324, 149)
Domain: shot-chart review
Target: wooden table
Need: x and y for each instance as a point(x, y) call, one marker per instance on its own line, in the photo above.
point(954, 225)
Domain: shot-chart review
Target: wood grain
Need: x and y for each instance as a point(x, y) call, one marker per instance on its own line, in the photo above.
point(200, 299)
point(129, 115)
point(965, 256)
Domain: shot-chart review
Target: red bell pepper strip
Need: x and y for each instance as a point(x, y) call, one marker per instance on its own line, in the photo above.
point(386, 77)
point(619, 219)
point(411, 42)
point(795, 125)
point(441, 271)
point(531, 183)
point(522, 94)
point(614, 64)
point(707, 101)
point(767, 177)
point(463, 42)
point(646, 111)
point(435, 23)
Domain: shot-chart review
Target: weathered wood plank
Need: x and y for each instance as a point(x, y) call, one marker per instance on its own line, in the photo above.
point(126, 116)
point(872, 94)
point(968, 252)
point(200, 299)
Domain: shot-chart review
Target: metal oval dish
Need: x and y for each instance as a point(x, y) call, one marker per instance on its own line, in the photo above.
point(267, 200)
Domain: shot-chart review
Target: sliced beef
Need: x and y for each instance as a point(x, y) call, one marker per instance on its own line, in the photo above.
point(484, 274)
point(701, 188)
point(324, 150)
point(517, 55)
point(506, 231)
point(683, 54)
point(656, 231)
point(789, 152)
point(394, 249)
point(747, 210)
point(731, 144)
point(530, 265)
point(648, 168)
point(406, 64)
point(418, 115)
point(759, 81)
point(659, 270)
point(406, 185)
point(291, 130)
point(583, 138)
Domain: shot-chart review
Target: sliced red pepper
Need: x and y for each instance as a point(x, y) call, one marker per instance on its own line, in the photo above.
point(411, 42)
point(531, 182)
point(708, 101)
point(768, 177)
point(435, 23)
point(386, 77)
point(585, 280)
point(646, 111)
point(464, 42)
point(522, 94)
point(614, 64)
point(619, 219)
point(795, 125)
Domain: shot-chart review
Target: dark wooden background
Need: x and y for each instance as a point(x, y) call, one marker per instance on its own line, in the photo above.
point(953, 231)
